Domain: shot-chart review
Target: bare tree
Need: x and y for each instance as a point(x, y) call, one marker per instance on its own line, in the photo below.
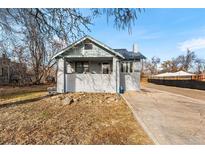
point(35, 31)
point(182, 62)
point(187, 60)
point(151, 66)
point(199, 65)
point(173, 65)
point(155, 61)
point(169, 66)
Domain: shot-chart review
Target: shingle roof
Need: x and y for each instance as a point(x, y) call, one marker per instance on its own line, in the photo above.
point(130, 55)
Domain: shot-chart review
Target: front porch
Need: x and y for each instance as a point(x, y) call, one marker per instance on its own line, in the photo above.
point(91, 74)
point(92, 65)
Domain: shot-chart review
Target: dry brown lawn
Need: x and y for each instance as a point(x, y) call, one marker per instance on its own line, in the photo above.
point(9, 92)
point(91, 118)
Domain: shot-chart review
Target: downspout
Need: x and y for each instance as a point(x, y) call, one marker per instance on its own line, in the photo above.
point(116, 75)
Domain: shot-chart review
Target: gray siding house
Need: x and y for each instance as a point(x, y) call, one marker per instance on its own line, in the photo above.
point(88, 65)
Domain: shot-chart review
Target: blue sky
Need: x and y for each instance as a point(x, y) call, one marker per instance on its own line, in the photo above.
point(164, 33)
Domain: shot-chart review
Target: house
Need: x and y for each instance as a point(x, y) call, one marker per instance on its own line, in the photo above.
point(88, 65)
point(11, 72)
point(4, 70)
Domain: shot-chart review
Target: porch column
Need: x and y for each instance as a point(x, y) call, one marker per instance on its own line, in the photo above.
point(60, 75)
point(116, 73)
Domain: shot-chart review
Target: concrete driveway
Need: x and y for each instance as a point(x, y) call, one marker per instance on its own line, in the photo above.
point(169, 118)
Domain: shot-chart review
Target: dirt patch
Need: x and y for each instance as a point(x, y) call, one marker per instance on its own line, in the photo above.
point(73, 118)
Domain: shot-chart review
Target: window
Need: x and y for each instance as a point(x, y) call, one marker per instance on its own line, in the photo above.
point(131, 67)
point(81, 67)
point(88, 46)
point(127, 67)
point(106, 68)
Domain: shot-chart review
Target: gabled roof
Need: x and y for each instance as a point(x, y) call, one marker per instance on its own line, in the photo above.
point(130, 55)
point(93, 40)
point(173, 74)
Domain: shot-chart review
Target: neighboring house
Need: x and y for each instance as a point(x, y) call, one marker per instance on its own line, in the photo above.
point(4, 70)
point(88, 65)
point(12, 72)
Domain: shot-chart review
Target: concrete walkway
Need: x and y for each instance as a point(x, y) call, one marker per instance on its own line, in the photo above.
point(169, 118)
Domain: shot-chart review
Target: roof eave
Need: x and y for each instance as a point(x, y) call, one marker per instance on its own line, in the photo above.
point(92, 39)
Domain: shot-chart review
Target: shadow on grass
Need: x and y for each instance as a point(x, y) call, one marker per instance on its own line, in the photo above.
point(6, 105)
point(14, 94)
point(145, 90)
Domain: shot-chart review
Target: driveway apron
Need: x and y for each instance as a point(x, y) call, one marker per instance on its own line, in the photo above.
point(168, 118)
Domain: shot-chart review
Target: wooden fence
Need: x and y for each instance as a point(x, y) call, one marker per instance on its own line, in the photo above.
point(194, 82)
point(200, 77)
